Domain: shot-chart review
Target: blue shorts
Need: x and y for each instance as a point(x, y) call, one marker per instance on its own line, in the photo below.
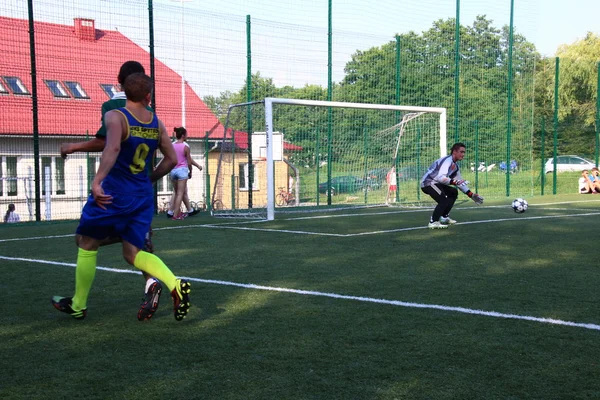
point(128, 217)
point(179, 174)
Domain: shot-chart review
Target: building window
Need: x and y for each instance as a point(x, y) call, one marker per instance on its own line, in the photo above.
point(76, 90)
point(59, 162)
point(8, 175)
point(16, 85)
point(109, 89)
point(244, 177)
point(56, 88)
point(3, 89)
point(56, 180)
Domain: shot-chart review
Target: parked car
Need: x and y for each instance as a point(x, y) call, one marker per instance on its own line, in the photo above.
point(378, 174)
point(568, 163)
point(412, 173)
point(343, 184)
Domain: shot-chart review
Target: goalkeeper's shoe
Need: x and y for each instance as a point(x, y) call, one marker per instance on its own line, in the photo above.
point(150, 301)
point(437, 225)
point(65, 304)
point(181, 298)
point(447, 221)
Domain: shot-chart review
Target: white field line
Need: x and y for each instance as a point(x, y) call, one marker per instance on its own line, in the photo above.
point(520, 218)
point(397, 303)
point(35, 237)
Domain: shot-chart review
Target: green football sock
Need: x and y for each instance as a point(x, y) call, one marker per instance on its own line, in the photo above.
point(84, 277)
point(154, 266)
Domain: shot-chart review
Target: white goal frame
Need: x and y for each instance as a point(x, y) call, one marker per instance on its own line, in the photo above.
point(270, 101)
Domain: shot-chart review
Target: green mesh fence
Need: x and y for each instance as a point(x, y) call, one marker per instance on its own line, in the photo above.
point(476, 61)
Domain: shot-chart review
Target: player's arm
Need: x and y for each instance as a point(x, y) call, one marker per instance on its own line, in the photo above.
point(463, 186)
point(89, 146)
point(169, 157)
point(442, 176)
point(191, 161)
point(115, 129)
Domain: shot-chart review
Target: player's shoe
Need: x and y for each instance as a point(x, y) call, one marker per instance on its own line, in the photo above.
point(150, 301)
point(181, 298)
point(447, 221)
point(64, 304)
point(169, 215)
point(437, 225)
point(148, 246)
point(193, 212)
point(180, 217)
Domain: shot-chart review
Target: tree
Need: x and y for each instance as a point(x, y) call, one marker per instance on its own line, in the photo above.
point(578, 78)
point(577, 88)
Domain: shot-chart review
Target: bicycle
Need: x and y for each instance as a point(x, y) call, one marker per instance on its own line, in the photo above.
point(217, 205)
point(163, 205)
point(198, 205)
point(284, 197)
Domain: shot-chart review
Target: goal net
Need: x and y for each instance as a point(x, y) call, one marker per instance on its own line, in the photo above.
point(289, 155)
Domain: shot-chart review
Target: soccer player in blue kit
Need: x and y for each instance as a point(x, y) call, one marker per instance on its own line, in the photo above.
point(153, 287)
point(121, 203)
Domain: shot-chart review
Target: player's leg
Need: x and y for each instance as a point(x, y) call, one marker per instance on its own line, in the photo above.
point(179, 198)
point(148, 246)
point(85, 272)
point(133, 240)
point(180, 289)
point(451, 195)
point(186, 200)
point(104, 242)
point(172, 178)
point(437, 194)
point(95, 225)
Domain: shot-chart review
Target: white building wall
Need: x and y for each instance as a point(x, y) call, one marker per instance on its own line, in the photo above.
point(69, 204)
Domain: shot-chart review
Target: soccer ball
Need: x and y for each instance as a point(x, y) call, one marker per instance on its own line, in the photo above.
point(519, 205)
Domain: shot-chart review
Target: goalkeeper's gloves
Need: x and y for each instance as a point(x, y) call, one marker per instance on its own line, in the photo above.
point(475, 197)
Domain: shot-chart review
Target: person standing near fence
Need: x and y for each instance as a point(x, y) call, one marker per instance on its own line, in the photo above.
point(180, 174)
point(185, 198)
point(153, 287)
point(439, 181)
point(11, 215)
point(391, 180)
point(122, 202)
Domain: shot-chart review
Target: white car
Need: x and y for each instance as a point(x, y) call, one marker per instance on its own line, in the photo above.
point(568, 163)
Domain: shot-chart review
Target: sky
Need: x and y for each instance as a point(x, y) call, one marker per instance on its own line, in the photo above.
point(547, 23)
point(205, 40)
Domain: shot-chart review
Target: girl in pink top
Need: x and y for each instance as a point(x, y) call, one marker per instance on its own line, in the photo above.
point(181, 173)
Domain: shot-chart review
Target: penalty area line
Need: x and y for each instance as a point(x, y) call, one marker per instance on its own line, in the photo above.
point(397, 303)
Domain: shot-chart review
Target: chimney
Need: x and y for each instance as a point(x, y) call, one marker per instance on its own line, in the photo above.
point(85, 29)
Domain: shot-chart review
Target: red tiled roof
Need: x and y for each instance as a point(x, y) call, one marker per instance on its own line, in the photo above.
point(92, 58)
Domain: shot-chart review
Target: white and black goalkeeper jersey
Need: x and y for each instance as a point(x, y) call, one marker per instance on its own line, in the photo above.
point(443, 171)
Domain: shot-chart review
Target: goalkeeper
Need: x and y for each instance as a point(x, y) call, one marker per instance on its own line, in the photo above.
point(439, 181)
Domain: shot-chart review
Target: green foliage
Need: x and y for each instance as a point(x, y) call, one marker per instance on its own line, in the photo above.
point(577, 96)
point(579, 77)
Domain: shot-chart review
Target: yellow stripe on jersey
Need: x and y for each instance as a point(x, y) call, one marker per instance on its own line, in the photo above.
point(145, 133)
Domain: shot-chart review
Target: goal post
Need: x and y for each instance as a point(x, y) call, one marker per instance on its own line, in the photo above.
point(284, 155)
point(270, 101)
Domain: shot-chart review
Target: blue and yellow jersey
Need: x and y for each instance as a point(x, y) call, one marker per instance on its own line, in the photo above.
point(130, 174)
